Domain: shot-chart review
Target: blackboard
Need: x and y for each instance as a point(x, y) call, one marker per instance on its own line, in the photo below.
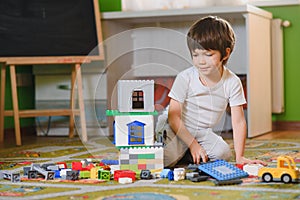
point(42, 28)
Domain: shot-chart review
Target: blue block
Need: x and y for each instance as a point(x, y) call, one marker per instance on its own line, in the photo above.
point(170, 175)
point(164, 173)
point(110, 162)
point(222, 170)
point(57, 174)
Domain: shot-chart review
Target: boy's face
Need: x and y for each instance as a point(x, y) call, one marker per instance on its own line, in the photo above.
point(208, 62)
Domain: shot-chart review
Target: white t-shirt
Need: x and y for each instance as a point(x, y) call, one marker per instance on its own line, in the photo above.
point(204, 106)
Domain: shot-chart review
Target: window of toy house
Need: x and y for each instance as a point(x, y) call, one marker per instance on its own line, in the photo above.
point(136, 135)
point(138, 99)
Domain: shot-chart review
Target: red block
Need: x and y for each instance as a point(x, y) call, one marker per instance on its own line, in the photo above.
point(124, 174)
point(142, 166)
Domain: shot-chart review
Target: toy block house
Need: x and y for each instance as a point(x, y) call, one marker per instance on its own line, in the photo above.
point(134, 121)
point(134, 126)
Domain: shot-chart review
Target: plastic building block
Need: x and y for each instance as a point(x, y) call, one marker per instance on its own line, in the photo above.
point(124, 174)
point(125, 180)
point(48, 166)
point(164, 173)
point(145, 174)
point(26, 170)
point(32, 174)
point(134, 130)
point(252, 169)
point(104, 175)
point(227, 182)
point(110, 162)
point(49, 175)
point(199, 178)
point(57, 174)
point(136, 95)
point(222, 170)
point(76, 166)
point(84, 174)
point(52, 168)
point(190, 175)
point(79, 166)
point(136, 133)
point(118, 113)
point(114, 168)
point(141, 158)
point(179, 174)
point(72, 175)
point(12, 176)
point(240, 166)
point(94, 172)
point(193, 167)
point(62, 165)
point(171, 175)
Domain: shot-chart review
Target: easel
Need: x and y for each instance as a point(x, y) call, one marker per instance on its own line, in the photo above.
point(17, 114)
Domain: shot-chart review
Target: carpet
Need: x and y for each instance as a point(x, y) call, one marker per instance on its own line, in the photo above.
point(99, 148)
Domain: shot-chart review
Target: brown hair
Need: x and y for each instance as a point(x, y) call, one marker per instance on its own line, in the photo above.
point(211, 33)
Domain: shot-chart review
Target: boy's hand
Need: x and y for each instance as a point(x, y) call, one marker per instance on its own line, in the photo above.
point(198, 153)
point(244, 161)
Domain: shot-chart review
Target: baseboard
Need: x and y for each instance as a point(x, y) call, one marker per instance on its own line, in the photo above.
point(286, 125)
point(26, 131)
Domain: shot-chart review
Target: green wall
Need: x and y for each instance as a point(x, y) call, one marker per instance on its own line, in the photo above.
point(110, 5)
point(25, 95)
point(291, 61)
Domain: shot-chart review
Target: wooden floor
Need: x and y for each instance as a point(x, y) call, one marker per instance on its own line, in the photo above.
point(280, 135)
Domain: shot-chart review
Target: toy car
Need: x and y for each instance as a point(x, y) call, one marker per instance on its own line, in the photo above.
point(286, 171)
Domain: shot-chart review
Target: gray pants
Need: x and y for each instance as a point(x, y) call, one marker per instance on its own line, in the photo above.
point(175, 148)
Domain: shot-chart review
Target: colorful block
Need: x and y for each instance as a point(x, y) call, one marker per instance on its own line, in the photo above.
point(94, 172)
point(222, 170)
point(124, 174)
point(104, 175)
point(84, 174)
point(141, 158)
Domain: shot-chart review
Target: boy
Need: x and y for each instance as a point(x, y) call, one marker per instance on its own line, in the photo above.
point(199, 97)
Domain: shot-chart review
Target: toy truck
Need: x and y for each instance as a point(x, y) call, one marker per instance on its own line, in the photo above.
point(286, 171)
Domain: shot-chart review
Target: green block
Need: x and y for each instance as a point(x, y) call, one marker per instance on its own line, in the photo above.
point(132, 147)
point(104, 175)
point(134, 168)
point(84, 174)
point(146, 156)
point(117, 113)
point(124, 166)
point(110, 5)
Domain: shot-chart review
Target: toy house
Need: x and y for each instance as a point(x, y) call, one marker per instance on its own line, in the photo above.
point(134, 126)
point(134, 121)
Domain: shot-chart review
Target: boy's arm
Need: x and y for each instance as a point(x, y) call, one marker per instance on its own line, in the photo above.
point(239, 127)
point(175, 122)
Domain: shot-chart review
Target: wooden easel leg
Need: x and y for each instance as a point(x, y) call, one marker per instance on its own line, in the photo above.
point(81, 103)
point(15, 104)
point(72, 102)
point(2, 102)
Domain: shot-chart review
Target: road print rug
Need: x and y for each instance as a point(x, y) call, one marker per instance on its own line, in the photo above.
point(100, 148)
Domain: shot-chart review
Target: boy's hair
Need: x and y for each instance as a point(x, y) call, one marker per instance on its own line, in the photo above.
point(211, 33)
